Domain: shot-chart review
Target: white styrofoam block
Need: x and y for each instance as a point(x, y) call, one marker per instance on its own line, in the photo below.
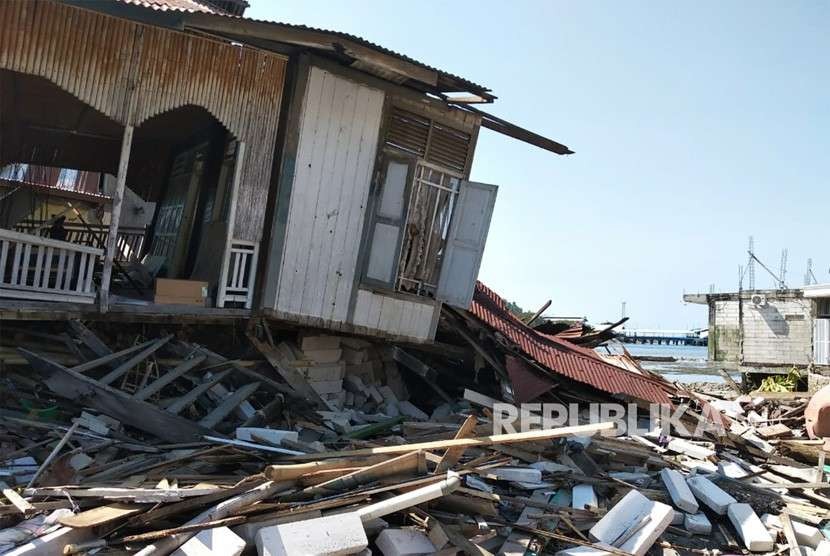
point(749, 527)
point(273, 436)
point(332, 535)
point(679, 490)
point(629, 513)
point(731, 469)
point(403, 542)
point(806, 535)
point(584, 551)
point(584, 497)
point(219, 541)
point(710, 494)
point(52, 543)
point(249, 529)
point(698, 524)
point(690, 449)
point(521, 474)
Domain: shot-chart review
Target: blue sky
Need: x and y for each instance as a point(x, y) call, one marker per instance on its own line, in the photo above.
point(695, 125)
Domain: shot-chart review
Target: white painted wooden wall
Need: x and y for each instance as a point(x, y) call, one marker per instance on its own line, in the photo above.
point(338, 140)
point(333, 171)
point(394, 316)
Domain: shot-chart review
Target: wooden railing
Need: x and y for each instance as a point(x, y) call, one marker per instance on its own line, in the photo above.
point(130, 239)
point(33, 267)
point(238, 274)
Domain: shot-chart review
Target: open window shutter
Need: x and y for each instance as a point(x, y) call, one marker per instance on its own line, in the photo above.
point(386, 232)
point(465, 245)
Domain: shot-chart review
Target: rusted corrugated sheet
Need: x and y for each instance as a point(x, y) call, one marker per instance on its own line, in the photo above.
point(561, 357)
point(131, 72)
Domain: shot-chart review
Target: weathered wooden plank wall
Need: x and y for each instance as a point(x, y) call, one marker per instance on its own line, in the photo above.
point(131, 72)
point(336, 156)
point(394, 316)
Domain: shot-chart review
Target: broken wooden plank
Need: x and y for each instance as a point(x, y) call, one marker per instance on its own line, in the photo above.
point(179, 405)
point(101, 515)
point(223, 409)
point(16, 500)
point(168, 377)
point(529, 436)
point(95, 363)
point(122, 369)
point(115, 403)
point(453, 455)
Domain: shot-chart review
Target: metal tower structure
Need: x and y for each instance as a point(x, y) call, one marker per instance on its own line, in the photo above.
point(782, 270)
point(750, 265)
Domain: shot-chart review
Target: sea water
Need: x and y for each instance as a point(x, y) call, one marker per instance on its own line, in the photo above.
point(691, 363)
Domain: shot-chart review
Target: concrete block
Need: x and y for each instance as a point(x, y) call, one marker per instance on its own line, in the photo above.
point(710, 494)
point(354, 383)
point(311, 343)
point(823, 549)
point(388, 394)
point(679, 518)
point(219, 541)
point(323, 355)
point(628, 514)
point(274, 436)
point(518, 474)
point(403, 542)
point(327, 386)
point(330, 371)
point(412, 411)
point(584, 497)
point(698, 524)
point(332, 535)
point(679, 491)
point(731, 469)
point(755, 536)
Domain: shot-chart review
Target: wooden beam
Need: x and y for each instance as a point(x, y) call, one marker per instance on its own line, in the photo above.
point(17, 501)
point(480, 442)
point(452, 455)
point(115, 218)
point(115, 403)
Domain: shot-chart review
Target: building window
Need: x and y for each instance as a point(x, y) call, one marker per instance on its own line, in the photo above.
point(387, 225)
point(432, 200)
point(415, 195)
point(823, 308)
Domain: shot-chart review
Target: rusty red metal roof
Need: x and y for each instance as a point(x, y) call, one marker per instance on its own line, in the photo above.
point(562, 357)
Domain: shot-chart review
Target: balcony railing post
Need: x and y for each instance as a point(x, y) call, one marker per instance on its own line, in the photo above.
point(117, 201)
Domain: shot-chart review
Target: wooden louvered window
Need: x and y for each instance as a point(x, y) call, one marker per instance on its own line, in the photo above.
point(429, 140)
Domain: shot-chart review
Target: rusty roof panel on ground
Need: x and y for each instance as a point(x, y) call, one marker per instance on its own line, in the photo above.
point(561, 357)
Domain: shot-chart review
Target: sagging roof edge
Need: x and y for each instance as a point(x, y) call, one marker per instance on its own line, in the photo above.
point(432, 80)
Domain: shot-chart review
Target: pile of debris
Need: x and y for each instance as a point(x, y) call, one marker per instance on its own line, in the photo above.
point(308, 443)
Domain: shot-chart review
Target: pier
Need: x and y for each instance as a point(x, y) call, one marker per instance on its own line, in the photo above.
point(694, 337)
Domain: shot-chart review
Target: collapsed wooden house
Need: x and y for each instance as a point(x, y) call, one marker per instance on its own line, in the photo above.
point(300, 174)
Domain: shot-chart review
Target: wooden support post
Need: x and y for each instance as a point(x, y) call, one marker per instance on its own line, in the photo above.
point(117, 201)
point(226, 252)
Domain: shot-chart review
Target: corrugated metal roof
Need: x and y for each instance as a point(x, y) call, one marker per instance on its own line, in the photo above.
point(561, 357)
point(192, 6)
point(189, 6)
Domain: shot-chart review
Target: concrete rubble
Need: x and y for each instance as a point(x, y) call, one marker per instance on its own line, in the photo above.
point(302, 442)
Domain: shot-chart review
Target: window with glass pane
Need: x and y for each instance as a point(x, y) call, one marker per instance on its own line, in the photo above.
point(385, 232)
point(431, 203)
